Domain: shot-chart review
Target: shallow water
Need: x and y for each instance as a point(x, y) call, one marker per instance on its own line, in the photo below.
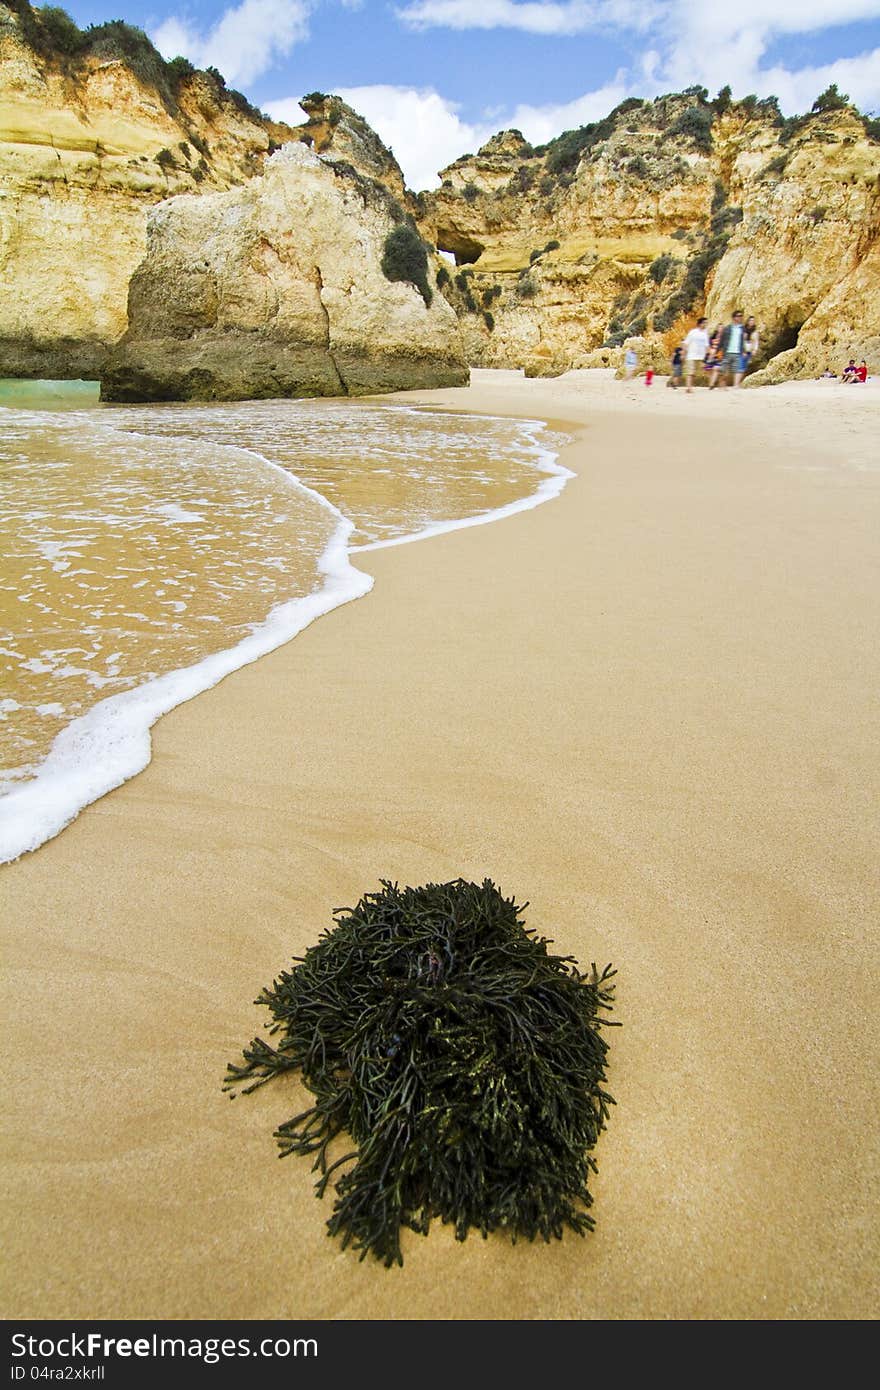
point(150, 550)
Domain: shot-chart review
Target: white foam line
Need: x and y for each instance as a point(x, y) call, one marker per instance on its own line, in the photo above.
point(547, 489)
point(110, 744)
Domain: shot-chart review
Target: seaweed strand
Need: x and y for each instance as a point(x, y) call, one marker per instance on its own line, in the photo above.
point(463, 1059)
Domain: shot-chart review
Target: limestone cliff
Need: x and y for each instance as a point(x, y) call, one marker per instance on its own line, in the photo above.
point(624, 230)
point(620, 232)
point(277, 288)
point(94, 130)
point(338, 133)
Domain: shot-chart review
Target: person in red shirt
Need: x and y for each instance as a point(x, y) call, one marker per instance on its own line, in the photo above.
point(862, 371)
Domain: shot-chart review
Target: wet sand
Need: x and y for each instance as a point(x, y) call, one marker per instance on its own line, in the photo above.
point(647, 707)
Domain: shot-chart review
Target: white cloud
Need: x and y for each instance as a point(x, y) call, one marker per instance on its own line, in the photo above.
point(541, 123)
point(548, 17)
point(566, 17)
point(858, 77)
point(246, 41)
point(710, 45)
point(782, 17)
point(714, 49)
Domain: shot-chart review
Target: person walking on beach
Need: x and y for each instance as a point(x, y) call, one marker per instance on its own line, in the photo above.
point(677, 366)
point(731, 347)
point(713, 356)
point(630, 362)
point(696, 348)
point(751, 342)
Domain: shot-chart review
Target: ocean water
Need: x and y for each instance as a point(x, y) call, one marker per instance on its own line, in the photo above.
point(149, 551)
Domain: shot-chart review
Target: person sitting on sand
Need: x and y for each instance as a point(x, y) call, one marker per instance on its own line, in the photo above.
point(696, 348)
point(827, 373)
point(858, 374)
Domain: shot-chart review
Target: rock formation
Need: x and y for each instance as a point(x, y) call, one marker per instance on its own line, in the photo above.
point(90, 139)
point(617, 233)
point(277, 288)
point(624, 230)
point(338, 133)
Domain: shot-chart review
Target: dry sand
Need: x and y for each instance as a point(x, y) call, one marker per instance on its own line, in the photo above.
point(649, 708)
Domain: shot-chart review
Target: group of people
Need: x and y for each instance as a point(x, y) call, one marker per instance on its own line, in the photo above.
point(724, 356)
point(853, 373)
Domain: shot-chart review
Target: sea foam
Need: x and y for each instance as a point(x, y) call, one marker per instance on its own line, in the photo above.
point(109, 744)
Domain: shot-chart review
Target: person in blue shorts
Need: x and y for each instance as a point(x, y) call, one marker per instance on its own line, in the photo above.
point(732, 349)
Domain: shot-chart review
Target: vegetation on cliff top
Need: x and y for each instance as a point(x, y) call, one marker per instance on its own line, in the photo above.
point(55, 36)
point(688, 116)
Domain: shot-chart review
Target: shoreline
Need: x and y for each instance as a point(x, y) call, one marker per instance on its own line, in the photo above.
point(647, 710)
point(111, 743)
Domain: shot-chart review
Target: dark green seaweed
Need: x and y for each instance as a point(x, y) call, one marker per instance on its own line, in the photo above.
point(465, 1062)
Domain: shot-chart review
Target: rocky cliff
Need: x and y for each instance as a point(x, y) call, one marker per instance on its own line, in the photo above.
point(94, 130)
point(624, 230)
point(309, 280)
point(619, 232)
point(340, 135)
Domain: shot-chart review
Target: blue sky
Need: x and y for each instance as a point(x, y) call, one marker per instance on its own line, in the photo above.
point(436, 78)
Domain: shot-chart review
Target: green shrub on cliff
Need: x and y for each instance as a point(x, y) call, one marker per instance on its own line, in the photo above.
point(830, 100)
point(565, 152)
point(659, 269)
point(116, 39)
point(179, 68)
point(62, 30)
point(405, 258)
point(695, 124)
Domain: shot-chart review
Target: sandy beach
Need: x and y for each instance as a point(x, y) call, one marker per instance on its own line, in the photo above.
point(648, 708)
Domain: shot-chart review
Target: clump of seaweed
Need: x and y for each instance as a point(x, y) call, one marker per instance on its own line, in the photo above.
point(464, 1060)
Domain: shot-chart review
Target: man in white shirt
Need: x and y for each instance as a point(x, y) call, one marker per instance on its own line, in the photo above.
point(696, 345)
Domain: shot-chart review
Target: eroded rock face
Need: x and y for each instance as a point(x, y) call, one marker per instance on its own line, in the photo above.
point(86, 148)
point(807, 252)
point(338, 133)
point(276, 289)
point(666, 209)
